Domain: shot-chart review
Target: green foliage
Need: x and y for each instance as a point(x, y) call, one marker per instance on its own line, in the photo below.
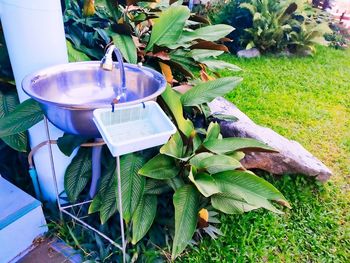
point(78, 174)
point(24, 116)
point(186, 203)
point(200, 166)
point(8, 103)
point(207, 91)
point(75, 55)
point(340, 36)
point(67, 143)
point(272, 24)
point(275, 26)
point(143, 217)
point(158, 34)
point(167, 29)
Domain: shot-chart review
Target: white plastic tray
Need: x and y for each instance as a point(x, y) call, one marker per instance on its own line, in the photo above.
point(133, 128)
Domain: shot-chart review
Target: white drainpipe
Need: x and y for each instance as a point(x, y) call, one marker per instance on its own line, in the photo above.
point(35, 39)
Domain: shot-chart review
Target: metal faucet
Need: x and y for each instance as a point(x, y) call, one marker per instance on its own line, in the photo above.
point(107, 64)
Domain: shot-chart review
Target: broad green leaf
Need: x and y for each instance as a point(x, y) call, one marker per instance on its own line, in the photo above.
point(215, 65)
point(205, 183)
point(105, 200)
point(132, 183)
point(143, 217)
point(160, 167)
point(26, 115)
point(108, 203)
point(237, 155)
point(218, 163)
point(78, 174)
point(174, 147)
point(168, 27)
point(68, 142)
point(173, 102)
point(213, 131)
point(156, 187)
point(8, 103)
point(195, 160)
point(200, 54)
point(230, 204)
point(75, 55)
point(126, 46)
point(207, 91)
point(253, 189)
point(186, 203)
point(207, 33)
point(229, 145)
point(224, 117)
point(17, 141)
point(183, 64)
point(175, 183)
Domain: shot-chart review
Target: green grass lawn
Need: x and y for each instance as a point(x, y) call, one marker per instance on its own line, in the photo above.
point(308, 100)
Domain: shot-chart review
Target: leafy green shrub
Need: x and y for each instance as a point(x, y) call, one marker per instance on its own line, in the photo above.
point(275, 26)
point(339, 38)
point(229, 12)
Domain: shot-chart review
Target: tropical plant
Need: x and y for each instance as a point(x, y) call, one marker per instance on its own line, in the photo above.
point(340, 36)
point(229, 12)
point(166, 37)
point(272, 26)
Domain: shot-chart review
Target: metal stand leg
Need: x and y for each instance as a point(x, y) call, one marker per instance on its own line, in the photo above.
point(120, 201)
point(64, 208)
point(52, 164)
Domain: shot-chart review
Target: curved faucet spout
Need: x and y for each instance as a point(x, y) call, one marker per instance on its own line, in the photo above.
point(107, 64)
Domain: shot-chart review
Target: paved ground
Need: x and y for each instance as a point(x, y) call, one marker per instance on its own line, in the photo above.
point(43, 253)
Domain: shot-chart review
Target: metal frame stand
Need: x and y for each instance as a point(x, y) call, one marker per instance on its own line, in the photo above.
point(64, 208)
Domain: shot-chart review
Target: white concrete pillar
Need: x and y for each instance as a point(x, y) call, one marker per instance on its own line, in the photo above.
point(35, 39)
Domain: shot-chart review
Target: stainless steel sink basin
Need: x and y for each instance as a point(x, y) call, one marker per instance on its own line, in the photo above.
point(69, 93)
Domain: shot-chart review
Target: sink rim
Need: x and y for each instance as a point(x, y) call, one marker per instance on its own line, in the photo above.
point(30, 78)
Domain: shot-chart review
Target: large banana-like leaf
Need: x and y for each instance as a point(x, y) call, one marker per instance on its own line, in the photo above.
point(143, 217)
point(132, 183)
point(186, 203)
point(174, 147)
point(17, 141)
point(251, 188)
point(207, 91)
point(107, 196)
point(173, 102)
point(160, 167)
point(78, 174)
point(218, 163)
point(205, 183)
point(196, 160)
point(230, 204)
point(200, 54)
point(207, 33)
point(229, 145)
point(75, 55)
point(8, 103)
point(105, 201)
point(156, 187)
point(168, 27)
point(213, 131)
point(126, 46)
point(68, 142)
point(21, 119)
point(214, 65)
